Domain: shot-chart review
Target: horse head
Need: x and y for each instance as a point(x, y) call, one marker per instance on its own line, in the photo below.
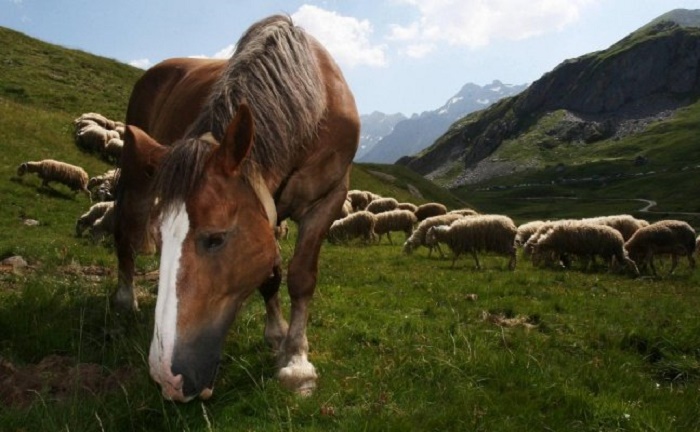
point(218, 247)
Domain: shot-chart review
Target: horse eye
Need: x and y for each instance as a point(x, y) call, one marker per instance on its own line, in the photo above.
point(213, 242)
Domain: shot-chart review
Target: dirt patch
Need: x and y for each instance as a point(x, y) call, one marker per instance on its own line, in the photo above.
point(503, 321)
point(56, 378)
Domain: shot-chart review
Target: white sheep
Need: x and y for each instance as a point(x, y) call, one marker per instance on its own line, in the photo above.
point(380, 205)
point(103, 186)
point(427, 210)
point(97, 119)
point(50, 170)
point(417, 238)
point(663, 237)
point(625, 224)
point(584, 240)
point(346, 209)
point(359, 199)
point(282, 230)
point(358, 224)
point(394, 220)
point(94, 138)
point(526, 230)
point(88, 218)
point(464, 212)
point(485, 233)
point(103, 226)
point(113, 149)
point(407, 206)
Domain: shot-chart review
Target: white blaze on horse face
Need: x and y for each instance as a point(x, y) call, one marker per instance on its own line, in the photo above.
point(174, 228)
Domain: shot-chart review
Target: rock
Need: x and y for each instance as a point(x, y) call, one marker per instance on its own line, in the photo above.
point(14, 262)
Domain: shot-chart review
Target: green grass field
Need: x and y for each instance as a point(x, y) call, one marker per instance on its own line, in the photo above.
point(400, 342)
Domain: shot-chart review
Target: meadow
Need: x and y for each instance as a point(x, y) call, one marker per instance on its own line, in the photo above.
point(401, 342)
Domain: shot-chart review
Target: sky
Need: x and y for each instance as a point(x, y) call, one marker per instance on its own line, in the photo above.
point(405, 56)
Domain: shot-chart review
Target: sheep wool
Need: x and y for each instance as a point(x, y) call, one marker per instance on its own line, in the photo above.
point(358, 224)
point(382, 205)
point(95, 212)
point(394, 220)
point(50, 170)
point(584, 240)
point(485, 233)
point(663, 237)
point(425, 211)
point(417, 238)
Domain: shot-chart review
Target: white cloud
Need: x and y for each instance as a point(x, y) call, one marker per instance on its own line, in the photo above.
point(475, 23)
point(226, 52)
point(141, 63)
point(346, 38)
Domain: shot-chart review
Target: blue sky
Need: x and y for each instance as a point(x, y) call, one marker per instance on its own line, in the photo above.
point(403, 56)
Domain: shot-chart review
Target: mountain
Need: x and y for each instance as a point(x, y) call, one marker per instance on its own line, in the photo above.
point(410, 136)
point(373, 127)
point(583, 105)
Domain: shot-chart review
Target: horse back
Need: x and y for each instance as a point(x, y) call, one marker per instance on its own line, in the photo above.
point(167, 99)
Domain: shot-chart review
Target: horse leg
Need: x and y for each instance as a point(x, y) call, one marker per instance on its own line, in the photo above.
point(296, 372)
point(131, 217)
point(275, 326)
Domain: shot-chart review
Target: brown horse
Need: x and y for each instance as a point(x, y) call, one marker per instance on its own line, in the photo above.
point(268, 135)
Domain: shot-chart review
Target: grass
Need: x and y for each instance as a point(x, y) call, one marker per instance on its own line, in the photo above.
point(398, 340)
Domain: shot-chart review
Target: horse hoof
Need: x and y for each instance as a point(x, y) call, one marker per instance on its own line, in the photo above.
point(299, 376)
point(125, 303)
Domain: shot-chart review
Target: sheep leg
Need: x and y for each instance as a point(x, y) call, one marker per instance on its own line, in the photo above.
point(388, 235)
point(650, 259)
point(476, 259)
point(513, 260)
point(691, 260)
point(674, 263)
point(454, 259)
point(442, 255)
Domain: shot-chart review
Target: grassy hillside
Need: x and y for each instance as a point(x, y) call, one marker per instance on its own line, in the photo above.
point(71, 81)
point(401, 342)
point(605, 172)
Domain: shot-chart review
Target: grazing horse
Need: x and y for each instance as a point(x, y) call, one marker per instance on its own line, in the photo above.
point(216, 154)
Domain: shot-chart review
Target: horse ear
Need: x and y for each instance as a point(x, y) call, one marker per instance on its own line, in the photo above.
point(141, 151)
point(238, 139)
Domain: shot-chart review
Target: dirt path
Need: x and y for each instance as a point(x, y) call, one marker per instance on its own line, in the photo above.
point(648, 204)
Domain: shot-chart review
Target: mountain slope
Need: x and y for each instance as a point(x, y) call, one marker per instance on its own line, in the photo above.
point(374, 127)
point(40, 74)
point(583, 103)
point(420, 131)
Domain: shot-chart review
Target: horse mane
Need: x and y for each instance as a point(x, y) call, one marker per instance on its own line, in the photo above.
point(275, 71)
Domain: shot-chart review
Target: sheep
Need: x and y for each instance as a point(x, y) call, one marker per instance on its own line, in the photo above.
point(358, 224)
point(625, 224)
point(464, 212)
point(103, 186)
point(382, 205)
point(492, 233)
point(394, 220)
point(113, 149)
point(50, 170)
point(359, 199)
point(417, 238)
point(94, 138)
point(407, 206)
point(526, 230)
point(282, 231)
point(584, 240)
point(96, 118)
point(663, 237)
point(346, 209)
point(103, 226)
point(95, 212)
point(425, 211)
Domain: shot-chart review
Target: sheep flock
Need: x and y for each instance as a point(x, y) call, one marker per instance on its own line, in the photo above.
point(623, 242)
